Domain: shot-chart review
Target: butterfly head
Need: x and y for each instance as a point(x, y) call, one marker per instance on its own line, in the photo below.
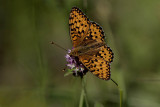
point(75, 52)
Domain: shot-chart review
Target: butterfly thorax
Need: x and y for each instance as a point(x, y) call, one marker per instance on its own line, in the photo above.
point(87, 48)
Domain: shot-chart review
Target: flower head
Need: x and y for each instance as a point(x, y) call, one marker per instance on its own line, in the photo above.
point(75, 65)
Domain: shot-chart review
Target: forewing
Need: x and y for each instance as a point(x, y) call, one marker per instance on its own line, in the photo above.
point(95, 32)
point(79, 26)
point(97, 66)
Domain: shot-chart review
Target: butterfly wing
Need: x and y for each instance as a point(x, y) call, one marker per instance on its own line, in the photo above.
point(96, 32)
point(104, 53)
point(79, 26)
point(98, 62)
point(82, 30)
point(98, 66)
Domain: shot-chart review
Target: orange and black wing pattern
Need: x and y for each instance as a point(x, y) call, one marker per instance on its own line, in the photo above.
point(98, 62)
point(98, 66)
point(105, 53)
point(95, 32)
point(79, 26)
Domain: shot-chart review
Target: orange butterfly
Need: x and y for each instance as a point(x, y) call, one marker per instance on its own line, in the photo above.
point(89, 45)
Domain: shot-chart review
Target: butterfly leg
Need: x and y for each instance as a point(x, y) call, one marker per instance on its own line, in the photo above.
point(114, 82)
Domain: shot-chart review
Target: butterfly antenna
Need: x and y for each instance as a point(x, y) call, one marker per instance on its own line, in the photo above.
point(58, 46)
point(114, 82)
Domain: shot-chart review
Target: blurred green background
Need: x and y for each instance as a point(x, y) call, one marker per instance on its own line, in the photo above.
point(31, 68)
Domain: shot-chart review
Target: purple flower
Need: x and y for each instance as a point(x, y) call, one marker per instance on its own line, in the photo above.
point(75, 65)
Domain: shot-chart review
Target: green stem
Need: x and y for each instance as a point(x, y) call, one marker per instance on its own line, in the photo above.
point(83, 95)
point(121, 96)
point(81, 99)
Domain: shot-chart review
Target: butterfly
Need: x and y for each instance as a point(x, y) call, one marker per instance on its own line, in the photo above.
point(89, 44)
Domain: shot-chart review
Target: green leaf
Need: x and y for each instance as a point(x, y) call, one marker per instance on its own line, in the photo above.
point(68, 72)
